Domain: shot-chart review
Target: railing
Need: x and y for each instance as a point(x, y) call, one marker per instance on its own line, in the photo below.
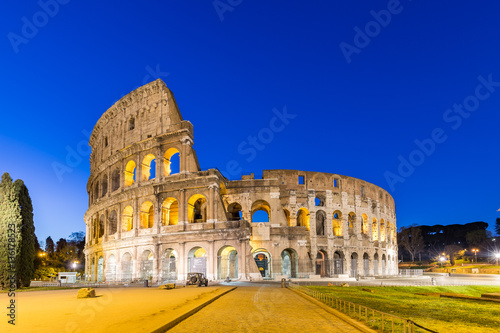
point(378, 320)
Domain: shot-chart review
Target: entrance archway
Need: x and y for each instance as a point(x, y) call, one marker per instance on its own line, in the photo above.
point(354, 264)
point(263, 260)
point(383, 264)
point(289, 263)
point(366, 264)
point(227, 263)
point(197, 260)
point(321, 264)
point(147, 265)
point(375, 264)
point(100, 269)
point(126, 267)
point(169, 265)
point(111, 268)
point(338, 263)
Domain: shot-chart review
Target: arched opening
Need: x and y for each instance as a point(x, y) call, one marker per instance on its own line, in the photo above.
point(104, 186)
point(96, 191)
point(382, 230)
point(147, 265)
point(113, 222)
point(351, 220)
point(111, 268)
point(100, 269)
point(337, 223)
point(197, 260)
point(130, 173)
point(127, 219)
point(169, 265)
point(261, 211)
point(147, 215)
point(321, 263)
point(131, 124)
point(92, 270)
point(287, 216)
point(319, 200)
point(375, 230)
point(197, 209)
point(303, 218)
point(115, 180)
point(148, 168)
point(354, 264)
point(383, 264)
point(263, 260)
point(338, 263)
point(289, 263)
point(127, 268)
point(170, 212)
point(320, 223)
point(234, 212)
point(171, 161)
point(227, 263)
point(364, 226)
point(366, 264)
point(101, 226)
point(375, 264)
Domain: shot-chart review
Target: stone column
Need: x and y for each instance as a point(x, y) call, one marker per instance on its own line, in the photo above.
point(347, 263)
point(212, 262)
point(156, 266)
point(182, 268)
point(345, 227)
point(136, 217)
point(182, 207)
point(211, 203)
point(361, 264)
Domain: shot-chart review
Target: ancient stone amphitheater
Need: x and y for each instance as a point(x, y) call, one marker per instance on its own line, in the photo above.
point(153, 214)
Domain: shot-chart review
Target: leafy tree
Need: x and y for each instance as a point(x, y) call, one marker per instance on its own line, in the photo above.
point(451, 250)
point(60, 246)
point(497, 226)
point(476, 237)
point(410, 238)
point(10, 230)
point(37, 261)
point(26, 269)
point(49, 246)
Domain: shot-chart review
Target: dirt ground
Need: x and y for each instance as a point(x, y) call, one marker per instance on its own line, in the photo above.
point(115, 310)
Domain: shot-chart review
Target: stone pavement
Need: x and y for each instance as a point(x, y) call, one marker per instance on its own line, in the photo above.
point(263, 308)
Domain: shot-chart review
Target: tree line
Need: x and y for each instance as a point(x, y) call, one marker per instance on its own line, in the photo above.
point(429, 242)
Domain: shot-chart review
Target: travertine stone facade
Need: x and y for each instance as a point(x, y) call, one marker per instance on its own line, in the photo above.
point(153, 214)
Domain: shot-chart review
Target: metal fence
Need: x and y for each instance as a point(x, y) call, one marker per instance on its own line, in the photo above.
point(411, 272)
point(378, 320)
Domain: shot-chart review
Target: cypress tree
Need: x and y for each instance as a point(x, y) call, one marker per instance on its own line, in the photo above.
point(26, 270)
point(49, 246)
point(10, 230)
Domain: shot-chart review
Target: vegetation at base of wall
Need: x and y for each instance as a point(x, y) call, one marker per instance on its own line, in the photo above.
point(439, 314)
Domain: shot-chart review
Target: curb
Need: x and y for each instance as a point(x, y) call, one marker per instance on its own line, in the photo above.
point(340, 315)
point(188, 314)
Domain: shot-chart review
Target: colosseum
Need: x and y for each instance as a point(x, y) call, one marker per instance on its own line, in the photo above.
point(154, 214)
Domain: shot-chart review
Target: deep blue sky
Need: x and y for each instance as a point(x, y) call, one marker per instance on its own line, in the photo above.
point(227, 75)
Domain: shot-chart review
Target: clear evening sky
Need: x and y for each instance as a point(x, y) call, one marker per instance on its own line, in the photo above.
point(405, 95)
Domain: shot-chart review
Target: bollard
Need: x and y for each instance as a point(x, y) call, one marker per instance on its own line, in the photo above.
point(146, 283)
point(283, 284)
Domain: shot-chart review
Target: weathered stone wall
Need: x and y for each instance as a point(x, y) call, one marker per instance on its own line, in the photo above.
point(149, 218)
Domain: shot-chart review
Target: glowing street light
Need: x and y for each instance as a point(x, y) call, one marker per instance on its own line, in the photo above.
point(74, 265)
point(475, 253)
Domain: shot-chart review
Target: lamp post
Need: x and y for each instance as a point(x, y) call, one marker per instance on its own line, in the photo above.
point(74, 265)
point(475, 253)
point(497, 256)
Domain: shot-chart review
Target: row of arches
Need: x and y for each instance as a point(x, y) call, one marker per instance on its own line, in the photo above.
point(261, 212)
point(197, 212)
point(171, 165)
point(112, 270)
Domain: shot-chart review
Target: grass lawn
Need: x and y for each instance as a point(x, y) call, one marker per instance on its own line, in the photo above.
point(39, 288)
point(438, 314)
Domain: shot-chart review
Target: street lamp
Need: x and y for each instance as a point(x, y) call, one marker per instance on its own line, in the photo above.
point(74, 265)
point(475, 253)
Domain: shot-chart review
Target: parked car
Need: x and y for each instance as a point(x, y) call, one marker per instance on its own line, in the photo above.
point(197, 279)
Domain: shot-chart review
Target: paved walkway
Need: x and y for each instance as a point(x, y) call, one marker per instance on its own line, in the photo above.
point(263, 308)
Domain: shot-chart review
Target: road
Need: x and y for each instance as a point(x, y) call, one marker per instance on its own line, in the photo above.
point(263, 308)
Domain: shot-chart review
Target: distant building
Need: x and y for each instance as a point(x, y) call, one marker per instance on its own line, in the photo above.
point(67, 277)
point(154, 214)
